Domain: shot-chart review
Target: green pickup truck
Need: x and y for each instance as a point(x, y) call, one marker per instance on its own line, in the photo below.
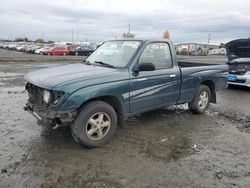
point(119, 79)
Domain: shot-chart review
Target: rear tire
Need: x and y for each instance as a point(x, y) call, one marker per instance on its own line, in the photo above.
point(201, 101)
point(95, 124)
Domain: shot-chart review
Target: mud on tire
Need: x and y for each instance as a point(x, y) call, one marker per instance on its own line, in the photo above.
point(92, 119)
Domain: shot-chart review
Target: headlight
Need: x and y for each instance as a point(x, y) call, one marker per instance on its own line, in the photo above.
point(54, 97)
point(46, 96)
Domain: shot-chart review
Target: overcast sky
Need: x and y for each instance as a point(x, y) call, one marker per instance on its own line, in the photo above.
point(187, 21)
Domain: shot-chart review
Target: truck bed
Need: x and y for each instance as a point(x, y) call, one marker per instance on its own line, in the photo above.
point(193, 74)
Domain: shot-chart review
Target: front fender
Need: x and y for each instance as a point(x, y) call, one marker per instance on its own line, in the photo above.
point(118, 89)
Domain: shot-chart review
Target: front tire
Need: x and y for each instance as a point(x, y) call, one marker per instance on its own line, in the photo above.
point(201, 101)
point(95, 124)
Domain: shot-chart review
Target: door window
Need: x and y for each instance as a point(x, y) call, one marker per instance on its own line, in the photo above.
point(158, 54)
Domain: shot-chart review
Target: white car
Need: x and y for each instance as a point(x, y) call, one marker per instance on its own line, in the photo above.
point(21, 47)
point(38, 51)
point(42, 50)
point(238, 52)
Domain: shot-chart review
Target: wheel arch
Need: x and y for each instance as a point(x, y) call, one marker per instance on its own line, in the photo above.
point(211, 86)
point(112, 101)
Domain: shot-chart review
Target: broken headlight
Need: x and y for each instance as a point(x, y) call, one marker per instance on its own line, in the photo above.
point(52, 96)
point(47, 96)
point(57, 96)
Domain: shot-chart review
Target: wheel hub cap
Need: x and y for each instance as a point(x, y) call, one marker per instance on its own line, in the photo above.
point(203, 100)
point(98, 126)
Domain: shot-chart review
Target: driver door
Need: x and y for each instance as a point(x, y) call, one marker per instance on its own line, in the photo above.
point(152, 89)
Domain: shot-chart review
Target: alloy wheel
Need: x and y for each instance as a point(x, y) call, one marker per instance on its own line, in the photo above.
point(98, 126)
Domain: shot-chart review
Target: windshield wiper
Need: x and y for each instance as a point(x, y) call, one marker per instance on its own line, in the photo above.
point(86, 62)
point(105, 64)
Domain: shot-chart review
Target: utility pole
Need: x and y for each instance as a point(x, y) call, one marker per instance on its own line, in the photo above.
point(209, 37)
point(129, 27)
point(72, 35)
point(77, 31)
point(42, 35)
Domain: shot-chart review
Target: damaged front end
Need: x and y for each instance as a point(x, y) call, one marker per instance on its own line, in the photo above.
point(40, 104)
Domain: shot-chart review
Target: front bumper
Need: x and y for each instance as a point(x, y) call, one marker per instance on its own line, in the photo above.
point(242, 80)
point(49, 116)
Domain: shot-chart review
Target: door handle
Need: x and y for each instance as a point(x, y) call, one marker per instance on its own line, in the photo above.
point(172, 75)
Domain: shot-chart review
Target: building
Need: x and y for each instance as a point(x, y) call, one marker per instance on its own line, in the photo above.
point(194, 48)
point(217, 51)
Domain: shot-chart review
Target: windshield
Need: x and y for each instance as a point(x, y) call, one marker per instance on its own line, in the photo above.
point(114, 53)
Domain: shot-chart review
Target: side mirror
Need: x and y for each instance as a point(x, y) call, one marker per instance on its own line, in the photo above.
point(145, 67)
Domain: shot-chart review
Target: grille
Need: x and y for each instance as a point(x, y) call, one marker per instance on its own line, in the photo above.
point(35, 95)
point(239, 69)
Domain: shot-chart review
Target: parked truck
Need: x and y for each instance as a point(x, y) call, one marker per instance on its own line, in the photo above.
point(96, 95)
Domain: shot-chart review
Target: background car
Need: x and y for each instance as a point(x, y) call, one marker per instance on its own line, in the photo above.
point(59, 51)
point(238, 52)
point(82, 51)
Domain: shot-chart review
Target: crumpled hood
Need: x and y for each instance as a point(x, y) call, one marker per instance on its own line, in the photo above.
point(51, 77)
point(238, 49)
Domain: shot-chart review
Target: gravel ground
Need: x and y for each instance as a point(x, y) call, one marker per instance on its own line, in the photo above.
point(165, 148)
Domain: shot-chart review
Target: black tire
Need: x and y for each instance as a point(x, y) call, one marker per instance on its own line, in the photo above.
point(81, 124)
point(195, 106)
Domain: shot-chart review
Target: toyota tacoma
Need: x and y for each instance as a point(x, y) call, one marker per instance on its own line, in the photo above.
point(119, 79)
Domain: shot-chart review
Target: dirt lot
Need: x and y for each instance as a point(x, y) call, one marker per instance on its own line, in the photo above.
point(165, 148)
